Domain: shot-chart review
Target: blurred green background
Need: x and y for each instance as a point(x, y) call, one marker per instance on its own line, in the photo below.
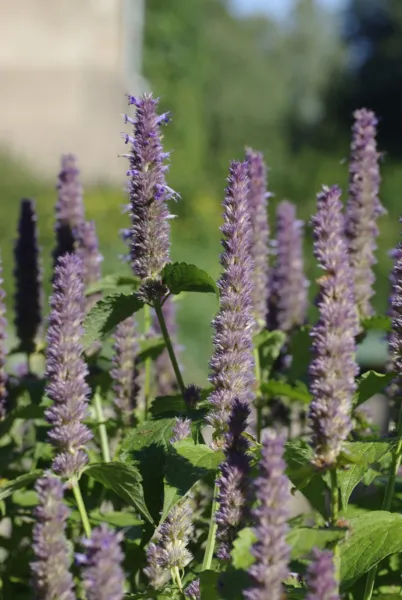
point(287, 88)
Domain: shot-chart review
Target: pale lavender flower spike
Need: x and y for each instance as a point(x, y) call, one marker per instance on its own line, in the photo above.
point(148, 190)
point(333, 368)
point(321, 582)
point(364, 207)
point(258, 207)
point(88, 251)
point(102, 573)
point(288, 300)
point(66, 369)
point(3, 328)
point(51, 576)
point(232, 364)
point(124, 372)
point(192, 591)
point(271, 551)
point(181, 430)
point(69, 206)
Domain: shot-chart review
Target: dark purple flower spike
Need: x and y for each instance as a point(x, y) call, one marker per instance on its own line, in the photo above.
point(3, 354)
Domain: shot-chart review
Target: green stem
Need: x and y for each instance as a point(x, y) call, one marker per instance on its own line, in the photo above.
point(81, 508)
point(104, 442)
point(258, 403)
point(210, 547)
point(334, 519)
point(148, 361)
point(176, 578)
point(389, 493)
point(169, 347)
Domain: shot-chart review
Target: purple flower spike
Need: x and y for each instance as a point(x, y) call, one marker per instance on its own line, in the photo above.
point(28, 279)
point(258, 206)
point(271, 551)
point(333, 368)
point(321, 582)
point(148, 190)
point(395, 338)
point(288, 302)
point(103, 576)
point(164, 374)
point(66, 370)
point(232, 364)
point(124, 372)
point(51, 577)
point(88, 251)
point(3, 328)
point(364, 207)
point(181, 430)
point(69, 207)
point(193, 591)
point(233, 482)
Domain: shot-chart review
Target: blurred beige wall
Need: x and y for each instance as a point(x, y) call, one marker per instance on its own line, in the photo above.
point(65, 66)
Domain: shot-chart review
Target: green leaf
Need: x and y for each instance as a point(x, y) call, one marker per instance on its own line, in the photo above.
point(372, 537)
point(186, 464)
point(300, 351)
point(371, 383)
point(113, 282)
point(298, 457)
point(9, 487)
point(378, 323)
point(209, 585)
point(181, 277)
point(150, 348)
point(241, 554)
point(364, 454)
point(125, 480)
point(297, 392)
point(107, 314)
point(147, 447)
point(115, 518)
point(269, 344)
point(168, 404)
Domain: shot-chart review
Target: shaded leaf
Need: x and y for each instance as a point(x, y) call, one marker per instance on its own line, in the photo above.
point(300, 351)
point(150, 348)
point(9, 487)
point(297, 392)
point(371, 383)
point(269, 344)
point(378, 323)
point(114, 282)
point(182, 277)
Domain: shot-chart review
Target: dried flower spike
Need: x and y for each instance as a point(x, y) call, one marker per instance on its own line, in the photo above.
point(271, 551)
point(288, 300)
point(232, 364)
point(364, 207)
point(333, 368)
point(321, 582)
point(233, 481)
point(102, 574)
point(148, 191)
point(258, 207)
point(69, 207)
point(28, 279)
point(51, 577)
point(124, 372)
point(3, 329)
point(66, 369)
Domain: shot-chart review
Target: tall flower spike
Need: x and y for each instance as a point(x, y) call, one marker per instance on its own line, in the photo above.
point(88, 251)
point(102, 574)
point(395, 338)
point(333, 368)
point(164, 374)
point(69, 207)
point(232, 364)
point(258, 206)
point(66, 369)
point(148, 190)
point(28, 279)
point(364, 207)
point(271, 551)
point(233, 482)
point(288, 301)
point(321, 582)
point(124, 372)
point(3, 328)
point(51, 577)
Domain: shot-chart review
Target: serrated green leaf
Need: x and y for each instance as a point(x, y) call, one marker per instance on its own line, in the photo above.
point(311, 483)
point(114, 282)
point(269, 344)
point(241, 553)
point(371, 383)
point(297, 392)
point(372, 537)
point(168, 404)
point(150, 348)
point(115, 518)
point(107, 314)
point(182, 277)
point(125, 480)
point(9, 487)
point(364, 455)
point(209, 585)
point(186, 463)
point(378, 323)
